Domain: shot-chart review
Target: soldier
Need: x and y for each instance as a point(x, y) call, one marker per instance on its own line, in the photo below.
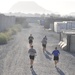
point(30, 39)
point(44, 42)
point(56, 55)
point(32, 54)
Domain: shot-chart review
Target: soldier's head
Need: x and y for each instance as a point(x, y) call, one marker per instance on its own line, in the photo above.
point(55, 48)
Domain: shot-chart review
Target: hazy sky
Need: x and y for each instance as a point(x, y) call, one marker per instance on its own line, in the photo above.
point(61, 6)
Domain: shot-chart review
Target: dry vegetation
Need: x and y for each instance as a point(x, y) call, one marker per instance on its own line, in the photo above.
point(6, 36)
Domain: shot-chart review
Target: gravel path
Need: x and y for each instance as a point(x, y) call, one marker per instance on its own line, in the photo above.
point(14, 59)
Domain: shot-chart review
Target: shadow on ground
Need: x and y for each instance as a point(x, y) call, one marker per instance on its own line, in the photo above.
point(33, 72)
point(48, 52)
point(60, 71)
point(47, 55)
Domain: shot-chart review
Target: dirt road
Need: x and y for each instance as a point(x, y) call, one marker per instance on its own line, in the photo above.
point(14, 59)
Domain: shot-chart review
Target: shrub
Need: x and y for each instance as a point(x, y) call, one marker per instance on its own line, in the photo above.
point(6, 35)
point(15, 29)
point(3, 38)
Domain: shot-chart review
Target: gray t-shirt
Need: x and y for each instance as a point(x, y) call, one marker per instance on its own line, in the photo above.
point(44, 41)
point(30, 38)
point(32, 52)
